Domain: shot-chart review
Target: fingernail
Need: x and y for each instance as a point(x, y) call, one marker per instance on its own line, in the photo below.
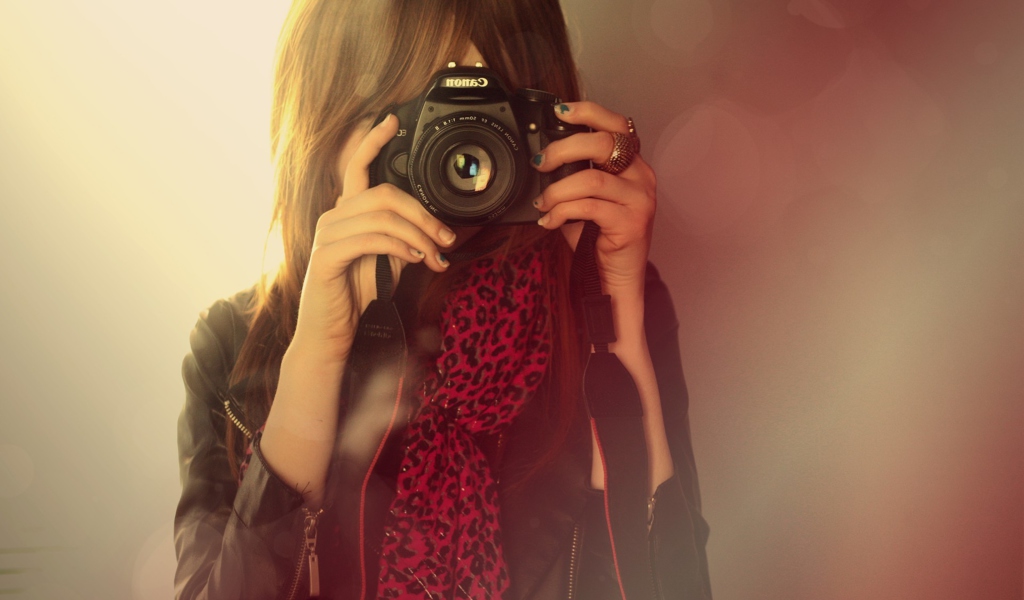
point(416, 253)
point(447, 236)
point(543, 220)
point(538, 159)
point(563, 108)
point(536, 202)
point(441, 259)
point(385, 121)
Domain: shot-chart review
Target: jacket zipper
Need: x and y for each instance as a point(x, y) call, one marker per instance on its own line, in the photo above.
point(651, 502)
point(574, 557)
point(307, 556)
point(231, 415)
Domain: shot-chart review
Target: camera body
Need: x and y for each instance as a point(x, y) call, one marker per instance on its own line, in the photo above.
point(464, 146)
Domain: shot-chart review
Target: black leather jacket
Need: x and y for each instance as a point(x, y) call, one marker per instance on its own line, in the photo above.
point(246, 542)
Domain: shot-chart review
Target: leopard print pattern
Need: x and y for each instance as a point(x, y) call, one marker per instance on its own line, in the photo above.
point(442, 538)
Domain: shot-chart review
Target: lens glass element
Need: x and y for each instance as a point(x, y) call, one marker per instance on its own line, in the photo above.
point(469, 168)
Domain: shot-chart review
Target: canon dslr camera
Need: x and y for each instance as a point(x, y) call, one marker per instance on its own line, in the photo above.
point(464, 147)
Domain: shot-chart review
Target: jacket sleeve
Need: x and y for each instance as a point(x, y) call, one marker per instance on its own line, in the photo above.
point(678, 532)
point(231, 541)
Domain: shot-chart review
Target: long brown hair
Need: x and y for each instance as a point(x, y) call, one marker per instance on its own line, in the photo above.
point(341, 61)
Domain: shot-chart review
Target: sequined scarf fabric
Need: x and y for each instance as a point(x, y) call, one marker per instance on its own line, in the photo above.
point(443, 538)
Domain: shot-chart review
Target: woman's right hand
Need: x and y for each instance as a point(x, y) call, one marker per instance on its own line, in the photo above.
point(340, 280)
point(299, 435)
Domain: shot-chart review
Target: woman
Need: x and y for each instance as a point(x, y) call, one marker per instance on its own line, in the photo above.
point(463, 498)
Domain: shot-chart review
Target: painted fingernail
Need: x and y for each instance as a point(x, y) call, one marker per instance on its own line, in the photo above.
point(441, 259)
point(538, 159)
point(447, 236)
point(563, 108)
point(416, 253)
point(543, 220)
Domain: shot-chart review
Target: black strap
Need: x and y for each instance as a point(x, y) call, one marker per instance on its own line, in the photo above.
point(616, 414)
point(384, 281)
point(369, 413)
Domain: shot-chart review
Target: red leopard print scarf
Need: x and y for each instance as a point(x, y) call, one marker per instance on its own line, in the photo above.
point(443, 537)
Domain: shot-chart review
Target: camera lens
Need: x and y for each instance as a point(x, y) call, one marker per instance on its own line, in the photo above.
point(467, 168)
point(470, 169)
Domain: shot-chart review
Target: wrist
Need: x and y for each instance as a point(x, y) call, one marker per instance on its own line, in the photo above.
point(628, 315)
point(305, 406)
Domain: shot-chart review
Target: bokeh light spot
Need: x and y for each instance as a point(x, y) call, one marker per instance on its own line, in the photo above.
point(682, 25)
point(709, 167)
point(780, 68)
point(670, 32)
point(874, 130)
point(833, 230)
point(835, 14)
point(153, 575)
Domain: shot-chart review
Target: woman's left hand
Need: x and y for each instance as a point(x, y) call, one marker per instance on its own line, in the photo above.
point(621, 205)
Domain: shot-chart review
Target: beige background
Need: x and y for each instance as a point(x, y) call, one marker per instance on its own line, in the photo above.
point(841, 204)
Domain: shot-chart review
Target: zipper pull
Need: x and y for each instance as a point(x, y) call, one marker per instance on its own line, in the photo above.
point(314, 562)
point(651, 502)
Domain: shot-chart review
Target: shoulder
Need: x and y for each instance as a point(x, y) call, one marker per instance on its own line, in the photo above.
point(217, 337)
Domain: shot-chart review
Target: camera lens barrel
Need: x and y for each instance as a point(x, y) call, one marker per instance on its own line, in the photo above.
point(465, 165)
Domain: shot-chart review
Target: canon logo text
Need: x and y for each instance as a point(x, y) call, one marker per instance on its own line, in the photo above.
point(459, 82)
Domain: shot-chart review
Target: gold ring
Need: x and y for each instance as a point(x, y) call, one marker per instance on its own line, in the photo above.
point(625, 147)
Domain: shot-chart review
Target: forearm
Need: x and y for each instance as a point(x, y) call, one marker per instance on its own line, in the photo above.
point(299, 435)
point(632, 350)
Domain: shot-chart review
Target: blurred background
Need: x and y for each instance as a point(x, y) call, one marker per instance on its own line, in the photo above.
point(840, 223)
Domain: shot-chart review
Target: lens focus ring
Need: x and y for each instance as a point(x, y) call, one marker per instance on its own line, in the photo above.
point(465, 168)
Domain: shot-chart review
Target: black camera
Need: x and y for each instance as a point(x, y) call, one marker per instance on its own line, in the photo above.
point(464, 147)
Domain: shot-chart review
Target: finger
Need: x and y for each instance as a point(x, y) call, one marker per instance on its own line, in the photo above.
point(608, 215)
point(388, 197)
point(590, 183)
point(357, 174)
point(387, 223)
point(331, 260)
point(596, 146)
point(592, 114)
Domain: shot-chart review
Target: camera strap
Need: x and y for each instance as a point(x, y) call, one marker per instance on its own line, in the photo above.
point(616, 418)
point(371, 401)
